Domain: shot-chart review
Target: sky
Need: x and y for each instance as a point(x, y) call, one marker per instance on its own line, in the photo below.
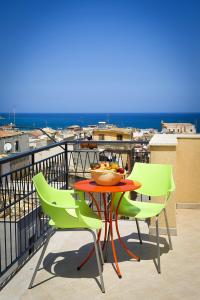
point(99, 56)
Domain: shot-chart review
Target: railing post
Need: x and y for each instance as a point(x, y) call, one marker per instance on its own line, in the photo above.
point(32, 159)
point(32, 162)
point(66, 167)
point(132, 161)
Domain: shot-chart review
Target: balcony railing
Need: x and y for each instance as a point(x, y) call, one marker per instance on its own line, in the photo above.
point(23, 227)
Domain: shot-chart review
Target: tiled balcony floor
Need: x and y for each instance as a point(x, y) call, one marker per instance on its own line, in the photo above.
point(58, 278)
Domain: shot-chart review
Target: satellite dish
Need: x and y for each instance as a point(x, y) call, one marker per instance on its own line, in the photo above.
point(7, 147)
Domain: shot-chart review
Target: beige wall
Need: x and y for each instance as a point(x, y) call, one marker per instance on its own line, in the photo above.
point(188, 170)
point(110, 136)
point(165, 155)
point(183, 152)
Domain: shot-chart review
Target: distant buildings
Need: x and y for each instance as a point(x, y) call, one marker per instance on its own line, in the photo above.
point(113, 134)
point(122, 134)
point(37, 139)
point(11, 142)
point(40, 138)
point(178, 128)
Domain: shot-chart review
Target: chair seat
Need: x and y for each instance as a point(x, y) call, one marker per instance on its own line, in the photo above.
point(89, 218)
point(140, 210)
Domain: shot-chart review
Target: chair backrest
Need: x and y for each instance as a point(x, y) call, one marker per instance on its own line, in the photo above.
point(61, 216)
point(156, 179)
point(42, 187)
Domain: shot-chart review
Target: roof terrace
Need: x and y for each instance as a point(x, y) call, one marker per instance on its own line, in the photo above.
point(58, 277)
point(23, 228)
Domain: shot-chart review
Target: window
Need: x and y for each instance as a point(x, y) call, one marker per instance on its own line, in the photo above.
point(101, 137)
point(17, 146)
point(119, 137)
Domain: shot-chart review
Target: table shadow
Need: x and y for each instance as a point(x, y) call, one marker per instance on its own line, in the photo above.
point(64, 264)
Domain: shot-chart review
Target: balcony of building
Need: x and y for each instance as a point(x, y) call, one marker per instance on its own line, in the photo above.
point(23, 227)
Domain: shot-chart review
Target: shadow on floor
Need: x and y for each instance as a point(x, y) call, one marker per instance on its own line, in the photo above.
point(64, 264)
point(146, 251)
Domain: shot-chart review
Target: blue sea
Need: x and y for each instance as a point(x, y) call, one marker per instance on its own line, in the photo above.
point(62, 120)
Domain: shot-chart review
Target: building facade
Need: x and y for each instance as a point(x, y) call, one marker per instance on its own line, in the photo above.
point(178, 128)
point(12, 142)
point(113, 134)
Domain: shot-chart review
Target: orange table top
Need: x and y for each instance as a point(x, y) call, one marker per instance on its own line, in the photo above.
point(125, 185)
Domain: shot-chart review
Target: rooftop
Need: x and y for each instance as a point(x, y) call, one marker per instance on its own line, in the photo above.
point(115, 130)
point(35, 133)
point(170, 139)
point(9, 133)
point(58, 278)
point(163, 139)
point(176, 124)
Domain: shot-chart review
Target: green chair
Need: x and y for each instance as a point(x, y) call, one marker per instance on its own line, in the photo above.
point(157, 180)
point(67, 214)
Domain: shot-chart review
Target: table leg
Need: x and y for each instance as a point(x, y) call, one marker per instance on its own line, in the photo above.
point(112, 240)
point(128, 251)
point(106, 219)
point(106, 245)
point(98, 235)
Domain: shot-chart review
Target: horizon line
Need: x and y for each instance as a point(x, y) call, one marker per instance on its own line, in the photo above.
point(161, 112)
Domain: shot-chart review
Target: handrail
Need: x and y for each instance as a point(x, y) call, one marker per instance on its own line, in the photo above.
point(53, 145)
point(50, 137)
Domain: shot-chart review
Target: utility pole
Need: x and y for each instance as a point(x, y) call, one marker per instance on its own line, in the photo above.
point(14, 116)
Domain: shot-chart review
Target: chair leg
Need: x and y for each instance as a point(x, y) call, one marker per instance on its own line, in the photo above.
point(100, 251)
point(39, 260)
point(158, 245)
point(138, 230)
point(106, 247)
point(168, 232)
point(98, 260)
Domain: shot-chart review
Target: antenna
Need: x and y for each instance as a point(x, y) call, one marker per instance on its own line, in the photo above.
point(196, 124)
point(14, 116)
point(108, 118)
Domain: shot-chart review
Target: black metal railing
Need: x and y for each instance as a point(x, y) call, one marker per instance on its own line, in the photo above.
point(23, 226)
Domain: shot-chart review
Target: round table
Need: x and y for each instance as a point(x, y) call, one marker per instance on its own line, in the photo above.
point(91, 187)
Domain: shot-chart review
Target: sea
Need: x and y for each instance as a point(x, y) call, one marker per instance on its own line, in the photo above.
point(26, 121)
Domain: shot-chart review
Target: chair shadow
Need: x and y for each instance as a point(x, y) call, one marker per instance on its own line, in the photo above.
point(146, 251)
point(64, 264)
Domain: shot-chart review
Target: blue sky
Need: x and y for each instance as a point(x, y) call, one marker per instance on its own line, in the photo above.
point(99, 56)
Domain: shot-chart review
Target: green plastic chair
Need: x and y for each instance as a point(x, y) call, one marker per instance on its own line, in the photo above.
point(67, 214)
point(157, 180)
